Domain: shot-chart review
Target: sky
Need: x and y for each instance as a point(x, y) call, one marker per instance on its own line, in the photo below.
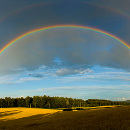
point(65, 61)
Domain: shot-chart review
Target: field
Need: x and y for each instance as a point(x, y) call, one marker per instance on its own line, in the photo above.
point(97, 118)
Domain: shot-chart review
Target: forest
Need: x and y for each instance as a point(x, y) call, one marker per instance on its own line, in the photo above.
point(55, 102)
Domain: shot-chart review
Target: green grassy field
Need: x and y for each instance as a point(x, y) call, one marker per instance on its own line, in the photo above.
point(114, 118)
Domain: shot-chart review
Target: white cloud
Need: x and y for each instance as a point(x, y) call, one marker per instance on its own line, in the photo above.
point(88, 91)
point(125, 76)
point(72, 71)
point(120, 99)
point(65, 74)
point(123, 98)
point(6, 79)
point(27, 79)
point(16, 79)
point(79, 88)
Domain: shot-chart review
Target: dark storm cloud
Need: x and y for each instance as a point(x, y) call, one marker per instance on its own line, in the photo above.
point(61, 12)
point(72, 47)
point(123, 5)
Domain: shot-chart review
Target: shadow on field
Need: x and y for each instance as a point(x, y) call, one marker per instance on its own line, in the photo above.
point(117, 118)
point(8, 113)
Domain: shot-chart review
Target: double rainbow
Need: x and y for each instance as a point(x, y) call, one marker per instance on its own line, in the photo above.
point(61, 26)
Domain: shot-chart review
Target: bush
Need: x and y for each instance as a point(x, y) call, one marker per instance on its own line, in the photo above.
point(68, 109)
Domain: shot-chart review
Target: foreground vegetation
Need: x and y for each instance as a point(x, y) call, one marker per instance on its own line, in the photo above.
point(115, 118)
point(55, 102)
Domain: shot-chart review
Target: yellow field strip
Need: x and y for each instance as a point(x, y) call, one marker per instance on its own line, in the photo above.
point(16, 113)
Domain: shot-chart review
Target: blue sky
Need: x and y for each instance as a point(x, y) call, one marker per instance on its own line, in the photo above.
point(66, 62)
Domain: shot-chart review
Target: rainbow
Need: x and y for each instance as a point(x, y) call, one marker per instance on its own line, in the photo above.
point(19, 10)
point(65, 26)
point(115, 10)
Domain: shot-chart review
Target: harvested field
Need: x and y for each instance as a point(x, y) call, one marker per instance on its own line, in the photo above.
point(116, 118)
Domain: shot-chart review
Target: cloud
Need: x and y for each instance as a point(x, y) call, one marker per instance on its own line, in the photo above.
point(72, 46)
point(84, 92)
point(25, 79)
point(67, 74)
point(119, 76)
point(123, 98)
point(71, 71)
point(120, 99)
point(6, 79)
point(77, 88)
point(37, 75)
point(16, 79)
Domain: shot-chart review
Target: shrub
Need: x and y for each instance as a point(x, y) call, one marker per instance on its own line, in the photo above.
point(68, 109)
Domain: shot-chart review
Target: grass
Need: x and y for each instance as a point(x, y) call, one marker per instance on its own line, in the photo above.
point(116, 118)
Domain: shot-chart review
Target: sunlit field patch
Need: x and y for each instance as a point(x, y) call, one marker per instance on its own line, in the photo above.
point(16, 113)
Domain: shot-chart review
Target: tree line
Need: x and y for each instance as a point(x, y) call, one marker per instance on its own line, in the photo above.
point(55, 102)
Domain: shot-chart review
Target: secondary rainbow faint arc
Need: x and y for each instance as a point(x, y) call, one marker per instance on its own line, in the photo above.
point(61, 26)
